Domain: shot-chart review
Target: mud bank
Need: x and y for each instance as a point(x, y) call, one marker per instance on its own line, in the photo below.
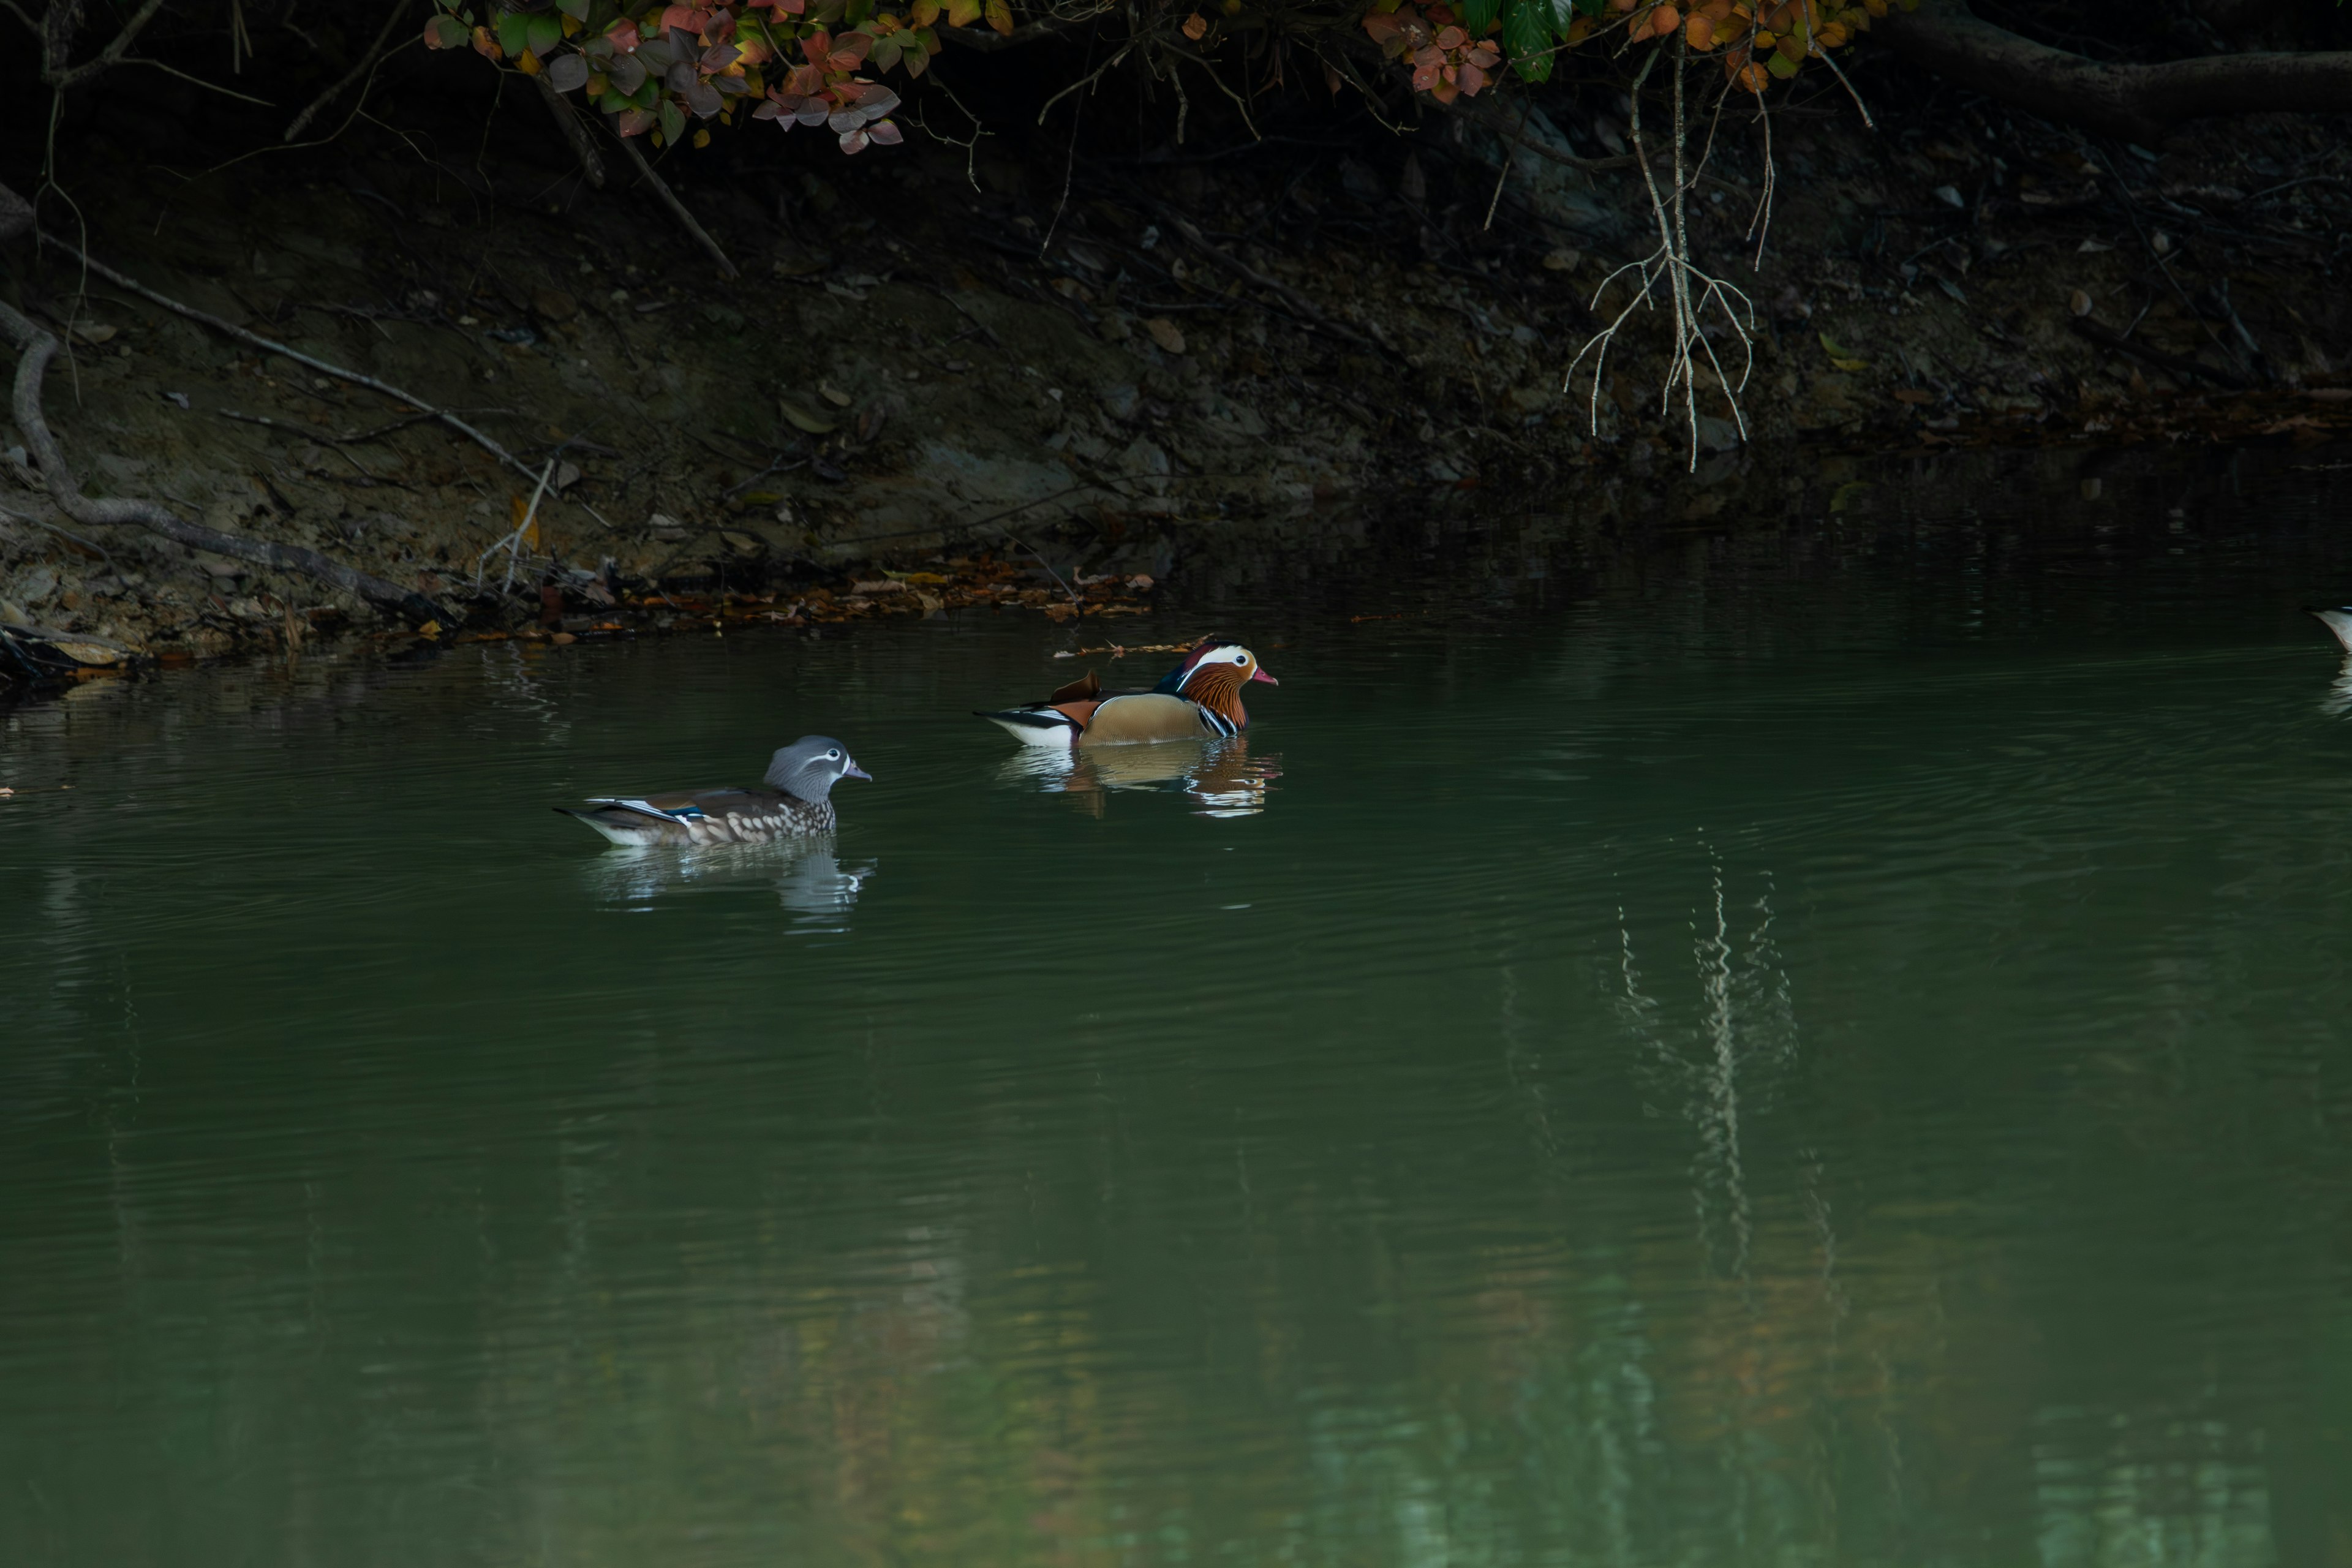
point(1006, 376)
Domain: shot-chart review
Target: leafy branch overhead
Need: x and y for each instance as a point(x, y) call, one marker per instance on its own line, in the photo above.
point(656, 70)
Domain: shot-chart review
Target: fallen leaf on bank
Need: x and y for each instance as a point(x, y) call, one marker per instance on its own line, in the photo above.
point(1839, 357)
point(92, 332)
point(802, 419)
point(88, 653)
point(562, 639)
point(833, 395)
point(1166, 333)
point(2079, 302)
point(1562, 259)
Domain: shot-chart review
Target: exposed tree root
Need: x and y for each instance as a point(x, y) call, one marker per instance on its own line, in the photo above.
point(2138, 102)
point(35, 347)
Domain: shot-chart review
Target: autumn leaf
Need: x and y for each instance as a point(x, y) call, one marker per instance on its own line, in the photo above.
point(1196, 26)
point(1000, 16)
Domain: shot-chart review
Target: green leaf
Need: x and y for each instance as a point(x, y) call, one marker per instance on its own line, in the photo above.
point(514, 32)
point(673, 119)
point(1479, 15)
point(1779, 64)
point(1527, 34)
point(546, 33)
point(855, 13)
point(446, 33)
point(575, 9)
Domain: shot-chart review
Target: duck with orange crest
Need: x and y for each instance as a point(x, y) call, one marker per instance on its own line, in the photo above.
point(1201, 699)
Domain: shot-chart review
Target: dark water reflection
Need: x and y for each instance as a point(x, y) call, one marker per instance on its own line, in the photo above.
point(1822, 1043)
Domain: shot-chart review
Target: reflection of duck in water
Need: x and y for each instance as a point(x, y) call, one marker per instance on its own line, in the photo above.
point(1200, 697)
point(794, 800)
point(807, 878)
point(2340, 691)
point(1220, 776)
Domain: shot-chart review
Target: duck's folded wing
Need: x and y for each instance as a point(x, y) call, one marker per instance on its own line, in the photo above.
point(1152, 716)
point(685, 806)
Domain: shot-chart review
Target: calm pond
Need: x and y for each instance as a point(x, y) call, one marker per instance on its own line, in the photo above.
point(1826, 1041)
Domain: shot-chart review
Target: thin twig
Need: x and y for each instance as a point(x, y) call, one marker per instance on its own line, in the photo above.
point(513, 542)
point(677, 208)
point(393, 15)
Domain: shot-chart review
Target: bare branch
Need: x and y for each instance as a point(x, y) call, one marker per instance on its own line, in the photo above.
point(342, 83)
point(584, 146)
point(35, 348)
point(64, 19)
point(677, 208)
point(2138, 102)
point(323, 367)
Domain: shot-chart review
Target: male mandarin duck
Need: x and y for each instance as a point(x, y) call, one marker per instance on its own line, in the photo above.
point(794, 800)
point(1200, 697)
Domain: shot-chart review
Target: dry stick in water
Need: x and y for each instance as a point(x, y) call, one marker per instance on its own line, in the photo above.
point(322, 367)
point(35, 348)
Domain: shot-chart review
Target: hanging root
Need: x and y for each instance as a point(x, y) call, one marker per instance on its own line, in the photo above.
point(1689, 293)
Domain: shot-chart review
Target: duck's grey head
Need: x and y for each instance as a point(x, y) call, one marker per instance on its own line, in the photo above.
point(811, 766)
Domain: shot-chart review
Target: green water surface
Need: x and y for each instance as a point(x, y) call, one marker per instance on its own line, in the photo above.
point(1821, 1044)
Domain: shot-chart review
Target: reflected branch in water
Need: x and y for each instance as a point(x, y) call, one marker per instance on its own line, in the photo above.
point(1721, 1060)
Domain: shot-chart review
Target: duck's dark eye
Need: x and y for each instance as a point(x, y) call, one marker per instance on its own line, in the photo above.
point(1243, 662)
point(834, 755)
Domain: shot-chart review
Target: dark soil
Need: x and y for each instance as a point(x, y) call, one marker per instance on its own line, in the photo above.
point(1015, 375)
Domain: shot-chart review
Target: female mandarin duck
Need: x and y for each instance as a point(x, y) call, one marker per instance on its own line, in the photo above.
point(795, 800)
point(1202, 696)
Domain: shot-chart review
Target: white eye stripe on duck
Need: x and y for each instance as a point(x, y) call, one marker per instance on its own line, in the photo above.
point(1228, 653)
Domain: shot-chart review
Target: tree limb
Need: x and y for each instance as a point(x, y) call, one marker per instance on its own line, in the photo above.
point(35, 348)
point(677, 208)
point(342, 83)
point(583, 147)
point(2136, 101)
point(268, 345)
point(64, 19)
point(986, 41)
